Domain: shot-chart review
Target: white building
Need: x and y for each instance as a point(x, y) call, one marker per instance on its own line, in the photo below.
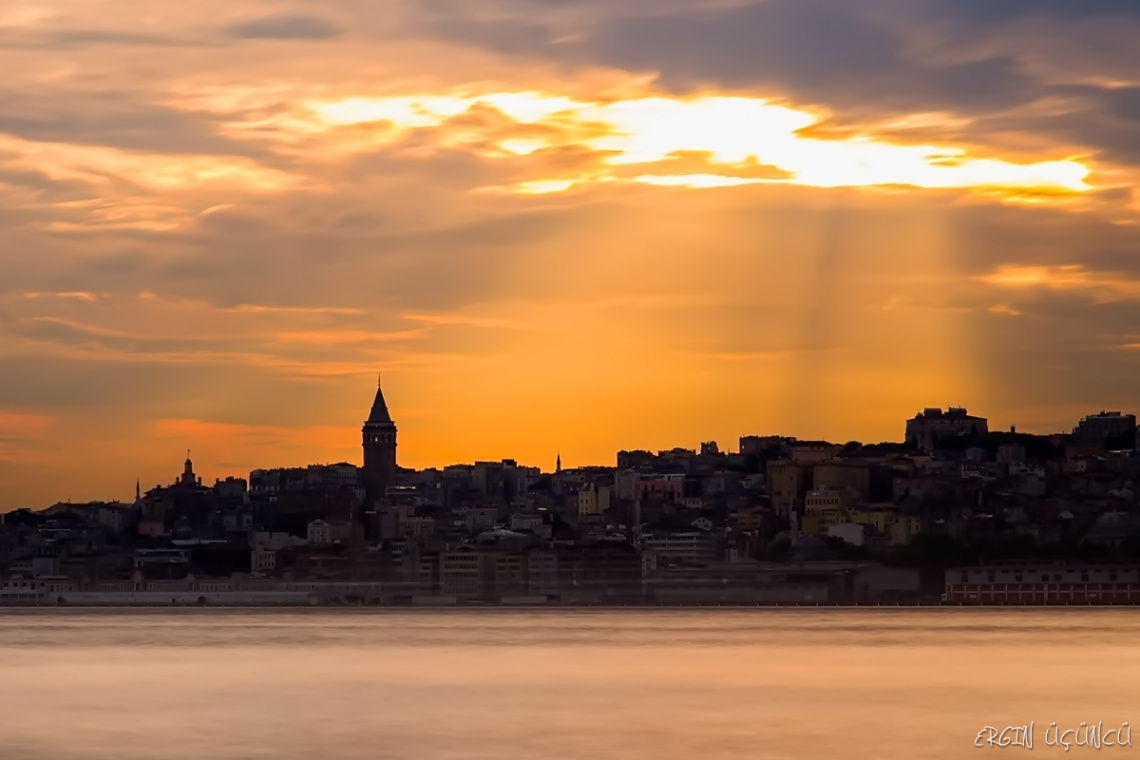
point(322, 533)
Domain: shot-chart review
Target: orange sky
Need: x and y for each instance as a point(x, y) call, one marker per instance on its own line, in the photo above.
point(571, 227)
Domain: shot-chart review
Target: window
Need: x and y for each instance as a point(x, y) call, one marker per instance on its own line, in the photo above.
point(1084, 577)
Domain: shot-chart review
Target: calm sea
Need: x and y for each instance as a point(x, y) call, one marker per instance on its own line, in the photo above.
point(443, 685)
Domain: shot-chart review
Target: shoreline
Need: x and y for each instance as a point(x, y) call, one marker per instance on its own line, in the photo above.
point(482, 606)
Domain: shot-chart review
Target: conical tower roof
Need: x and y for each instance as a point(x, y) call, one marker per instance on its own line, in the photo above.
point(379, 414)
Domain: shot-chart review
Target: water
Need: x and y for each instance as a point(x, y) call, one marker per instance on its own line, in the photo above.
point(629, 684)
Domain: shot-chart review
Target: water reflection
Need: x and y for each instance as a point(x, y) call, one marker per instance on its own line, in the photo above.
point(709, 684)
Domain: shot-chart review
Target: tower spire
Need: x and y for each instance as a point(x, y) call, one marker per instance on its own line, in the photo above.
point(379, 438)
point(379, 413)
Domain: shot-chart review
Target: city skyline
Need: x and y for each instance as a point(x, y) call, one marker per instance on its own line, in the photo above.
point(379, 442)
point(589, 378)
point(778, 521)
point(553, 226)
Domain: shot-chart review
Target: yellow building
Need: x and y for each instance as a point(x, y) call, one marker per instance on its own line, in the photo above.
point(856, 477)
point(904, 528)
point(415, 526)
point(899, 528)
point(594, 499)
point(749, 519)
point(878, 517)
point(824, 507)
point(788, 482)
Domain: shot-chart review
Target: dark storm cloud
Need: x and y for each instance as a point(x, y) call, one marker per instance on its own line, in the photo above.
point(285, 28)
point(989, 11)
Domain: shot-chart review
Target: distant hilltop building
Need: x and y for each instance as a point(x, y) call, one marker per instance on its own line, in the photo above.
point(932, 424)
point(1106, 428)
point(379, 438)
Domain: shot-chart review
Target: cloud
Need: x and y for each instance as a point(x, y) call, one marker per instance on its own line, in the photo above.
point(226, 241)
point(985, 12)
point(735, 132)
point(285, 28)
point(116, 120)
point(1104, 286)
point(999, 70)
point(818, 51)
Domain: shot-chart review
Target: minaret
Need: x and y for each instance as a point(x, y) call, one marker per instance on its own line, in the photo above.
point(379, 438)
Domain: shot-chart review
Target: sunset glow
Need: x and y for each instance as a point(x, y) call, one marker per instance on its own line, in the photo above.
point(730, 131)
point(552, 228)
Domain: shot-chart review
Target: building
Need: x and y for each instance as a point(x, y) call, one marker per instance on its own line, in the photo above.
point(1110, 429)
point(625, 485)
point(467, 572)
point(689, 546)
point(594, 499)
point(813, 451)
point(759, 444)
point(932, 425)
point(666, 487)
point(788, 483)
point(542, 572)
point(379, 440)
point(323, 532)
point(855, 478)
point(607, 569)
point(1011, 455)
point(749, 518)
point(263, 560)
point(1044, 583)
point(825, 507)
point(415, 526)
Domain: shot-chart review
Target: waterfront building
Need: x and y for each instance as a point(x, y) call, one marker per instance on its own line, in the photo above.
point(1044, 583)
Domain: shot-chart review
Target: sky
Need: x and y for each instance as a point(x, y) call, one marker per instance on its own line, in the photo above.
point(552, 226)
